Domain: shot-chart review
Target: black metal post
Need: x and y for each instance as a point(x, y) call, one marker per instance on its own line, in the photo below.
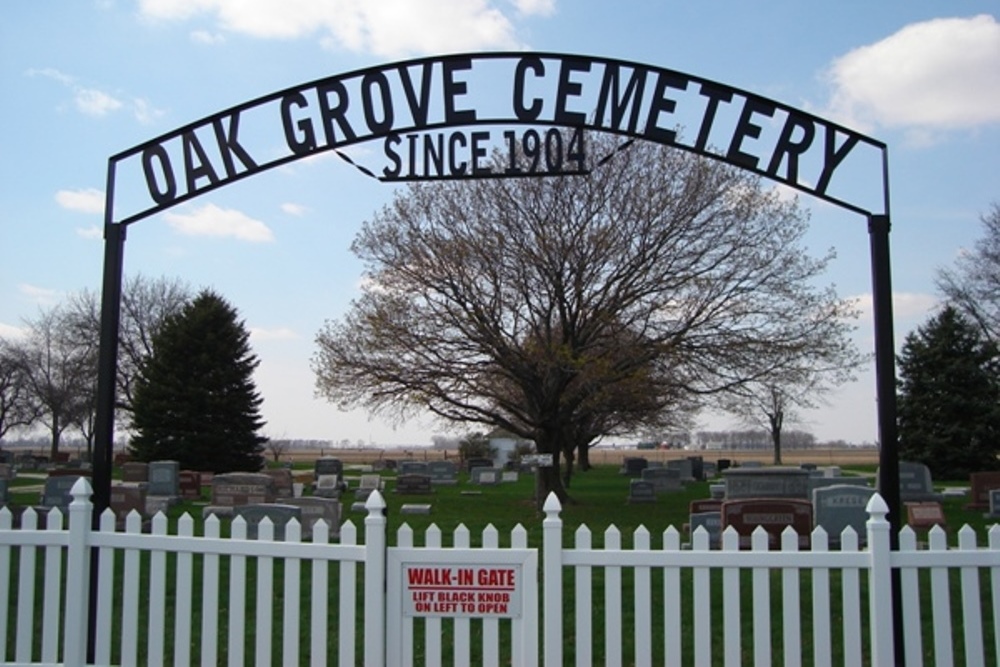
point(104, 424)
point(885, 387)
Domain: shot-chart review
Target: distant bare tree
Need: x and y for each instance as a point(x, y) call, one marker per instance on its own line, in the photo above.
point(16, 408)
point(973, 286)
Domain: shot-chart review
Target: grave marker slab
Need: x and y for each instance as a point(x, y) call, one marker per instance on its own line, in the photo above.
point(415, 509)
point(126, 497)
point(633, 466)
point(474, 463)
point(925, 515)
point(412, 468)
point(509, 476)
point(982, 483)
point(135, 471)
point(769, 482)
point(704, 505)
point(279, 515)
point(413, 484)
point(327, 486)
point(772, 514)
point(317, 509)
point(6, 471)
point(282, 482)
point(486, 476)
point(841, 506)
point(915, 484)
point(994, 504)
point(710, 521)
point(164, 478)
point(235, 489)
point(367, 484)
point(664, 480)
point(641, 491)
point(443, 472)
point(56, 492)
point(189, 482)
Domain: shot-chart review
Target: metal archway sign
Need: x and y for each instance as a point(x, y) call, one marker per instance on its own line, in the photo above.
point(440, 118)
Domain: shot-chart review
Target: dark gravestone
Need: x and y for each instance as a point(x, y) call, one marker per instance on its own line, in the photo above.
point(235, 489)
point(328, 466)
point(279, 515)
point(443, 472)
point(6, 471)
point(684, 469)
point(640, 491)
point(711, 522)
point(474, 463)
point(722, 465)
point(413, 484)
point(841, 506)
point(56, 492)
point(697, 468)
point(982, 483)
point(771, 514)
point(282, 482)
point(4, 495)
point(994, 504)
point(915, 484)
point(127, 497)
point(189, 482)
point(766, 482)
point(633, 466)
point(704, 505)
point(164, 478)
point(412, 468)
point(317, 509)
point(664, 480)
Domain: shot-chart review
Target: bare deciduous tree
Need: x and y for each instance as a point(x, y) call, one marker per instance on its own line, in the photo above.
point(566, 309)
point(973, 286)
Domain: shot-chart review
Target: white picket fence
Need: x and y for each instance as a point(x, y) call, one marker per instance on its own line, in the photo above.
point(166, 598)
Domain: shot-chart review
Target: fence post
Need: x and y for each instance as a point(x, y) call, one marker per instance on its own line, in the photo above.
point(375, 556)
point(75, 621)
point(880, 583)
point(552, 579)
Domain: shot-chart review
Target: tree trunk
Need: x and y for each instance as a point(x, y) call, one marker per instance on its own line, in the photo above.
point(568, 470)
point(54, 449)
point(776, 420)
point(583, 458)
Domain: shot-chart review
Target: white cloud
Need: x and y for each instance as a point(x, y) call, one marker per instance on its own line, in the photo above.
point(293, 209)
point(94, 102)
point(145, 112)
point(383, 28)
point(263, 335)
point(938, 74)
point(10, 332)
point(211, 220)
point(87, 200)
point(42, 296)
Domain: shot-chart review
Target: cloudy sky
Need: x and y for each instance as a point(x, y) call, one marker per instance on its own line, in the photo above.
point(87, 79)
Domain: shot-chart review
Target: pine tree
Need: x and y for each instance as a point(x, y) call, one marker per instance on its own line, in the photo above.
point(195, 401)
point(949, 397)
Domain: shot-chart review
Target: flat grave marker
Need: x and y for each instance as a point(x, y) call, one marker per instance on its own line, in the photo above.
point(411, 484)
point(925, 515)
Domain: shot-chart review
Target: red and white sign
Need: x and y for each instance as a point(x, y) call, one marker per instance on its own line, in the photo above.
point(479, 591)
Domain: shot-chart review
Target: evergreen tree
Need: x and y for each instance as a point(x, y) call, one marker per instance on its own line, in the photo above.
point(949, 397)
point(195, 400)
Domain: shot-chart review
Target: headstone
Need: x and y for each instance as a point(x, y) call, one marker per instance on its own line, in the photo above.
point(282, 482)
point(126, 497)
point(509, 476)
point(633, 466)
point(327, 486)
point(640, 491)
point(164, 478)
point(474, 463)
point(772, 514)
point(235, 489)
point(412, 468)
point(415, 509)
point(189, 482)
point(328, 466)
point(709, 470)
point(924, 515)
point(697, 468)
point(982, 483)
point(840, 506)
point(723, 464)
point(6, 471)
point(994, 504)
point(4, 495)
point(915, 484)
point(443, 472)
point(486, 476)
point(279, 515)
point(831, 471)
point(822, 482)
point(717, 491)
point(704, 505)
point(366, 485)
point(684, 468)
point(413, 484)
point(770, 482)
point(664, 480)
point(56, 492)
point(316, 509)
point(710, 521)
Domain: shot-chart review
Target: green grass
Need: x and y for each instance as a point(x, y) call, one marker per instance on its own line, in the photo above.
point(599, 501)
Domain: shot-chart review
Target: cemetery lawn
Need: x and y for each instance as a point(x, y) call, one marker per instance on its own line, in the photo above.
point(599, 502)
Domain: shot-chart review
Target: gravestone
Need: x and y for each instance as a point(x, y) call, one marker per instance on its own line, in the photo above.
point(915, 484)
point(717, 491)
point(317, 509)
point(412, 468)
point(925, 515)
point(366, 485)
point(4, 495)
point(126, 497)
point(772, 514)
point(664, 480)
point(840, 506)
point(633, 466)
point(279, 515)
point(766, 482)
point(640, 491)
point(413, 484)
point(328, 466)
point(684, 468)
point(709, 470)
point(189, 482)
point(697, 468)
point(982, 483)
point(474, 463)
point(486, 476)
point(6, 471)
point(235, 489)
point(994, 504)
point(822, 482)
point(704, 505)
point(710, 521)
point(56, 492)
point(509, 476)
point(327, 486)
point(164, 479)
point(443, 472)
point(414, 508)
point(722, 465)
point(282, 482)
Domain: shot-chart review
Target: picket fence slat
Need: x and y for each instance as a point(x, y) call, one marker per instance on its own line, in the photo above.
point(942, 579)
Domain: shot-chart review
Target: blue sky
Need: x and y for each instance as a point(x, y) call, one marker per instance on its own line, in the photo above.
point(85, 79)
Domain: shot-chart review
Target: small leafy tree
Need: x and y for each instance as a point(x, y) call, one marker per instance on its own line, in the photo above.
point(475, 446)
point(949, 397)
point(195, 401)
